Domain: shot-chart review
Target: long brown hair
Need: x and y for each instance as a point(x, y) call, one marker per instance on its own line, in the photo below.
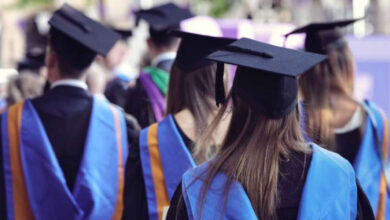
point(251, 152)
point(194, 91)
point(334, 76)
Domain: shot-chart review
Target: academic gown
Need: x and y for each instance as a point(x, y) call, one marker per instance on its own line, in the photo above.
point(64, 112)
point(290, 186)
point(138, 102)
point(116, 90)
point(360, 149)
point(136, 206)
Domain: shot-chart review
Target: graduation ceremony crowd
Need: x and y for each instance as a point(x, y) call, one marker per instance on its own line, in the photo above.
point(211, 128)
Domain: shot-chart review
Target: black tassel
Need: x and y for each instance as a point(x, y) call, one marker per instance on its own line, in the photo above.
point(219, 87)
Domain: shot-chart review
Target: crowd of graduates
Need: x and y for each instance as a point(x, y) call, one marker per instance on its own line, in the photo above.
point(212, 128)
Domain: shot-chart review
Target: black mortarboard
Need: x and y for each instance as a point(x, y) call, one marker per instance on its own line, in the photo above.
point(125, 34)
point(86, 32)
point(194, 48)
point(34, 60)
point(325, 36)
point(164, 17)
point(266, 77)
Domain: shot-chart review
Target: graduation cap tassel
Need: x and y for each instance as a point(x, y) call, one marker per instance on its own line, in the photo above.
point(219, 87)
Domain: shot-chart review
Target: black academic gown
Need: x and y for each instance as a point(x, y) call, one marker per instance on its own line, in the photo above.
point(352, 140)
point(290, 187)
point(115, 91)
point(135, 205)
point(138, 103)
point(65, 112)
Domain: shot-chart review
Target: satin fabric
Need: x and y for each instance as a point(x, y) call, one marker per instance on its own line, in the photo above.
point(330, 192)
point(157, 99)
point(164, 158)
point(98, 190)
point(367, 163)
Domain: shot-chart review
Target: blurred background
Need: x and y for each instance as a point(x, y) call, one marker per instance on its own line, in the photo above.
point(23, 26)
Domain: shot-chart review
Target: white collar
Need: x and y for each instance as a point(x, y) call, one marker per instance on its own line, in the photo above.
point(355, 122)
point(70, 82)
point(163, 56)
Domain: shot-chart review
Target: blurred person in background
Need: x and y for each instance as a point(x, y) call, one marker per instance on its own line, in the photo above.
point(146, 100)
point(36, 30)
point(190, 108)
point(36, 35)
point(23, 86)
point(96, 82)
point(357, 130)
point(5, 75)
point(118, 80)
point(74, 145)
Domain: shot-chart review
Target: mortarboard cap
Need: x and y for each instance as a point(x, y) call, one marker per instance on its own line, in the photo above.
point(266, 77)
point(164, 17)
point(194, 48)
point(324, 36)
point(34, 60)
point(124, 34)
point(76, 26)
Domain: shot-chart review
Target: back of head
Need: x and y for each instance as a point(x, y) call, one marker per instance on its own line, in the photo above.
point(161, 20)
point(193, 78)
point(335, 76)
point(251, 151)
point(193, 91)
point(76, 39)
point(73, 57)
point(265, 126)
point(162, 40)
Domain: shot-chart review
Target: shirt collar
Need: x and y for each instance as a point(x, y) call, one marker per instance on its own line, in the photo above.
point(163, 56)
point(70, 82)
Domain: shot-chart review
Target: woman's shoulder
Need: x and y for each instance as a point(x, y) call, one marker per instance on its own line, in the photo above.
point(325, 159)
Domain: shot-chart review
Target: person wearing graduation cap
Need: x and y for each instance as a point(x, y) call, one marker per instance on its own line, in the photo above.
point(264, 168)
point(166, 148)
point(357, 130)
point(63, 154)
point(36, 38)
point(146, 100)
point(119, 80)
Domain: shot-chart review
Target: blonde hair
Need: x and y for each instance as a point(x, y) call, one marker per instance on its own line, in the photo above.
point(334, 76)
point(251, 152)
point(22, 86)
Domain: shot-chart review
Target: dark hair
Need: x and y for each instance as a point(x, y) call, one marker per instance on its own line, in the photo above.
point(73, 57)
point(193, 90)
point(162, 38)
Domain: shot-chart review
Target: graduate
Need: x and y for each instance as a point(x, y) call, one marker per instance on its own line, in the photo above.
point(146, 100)
point(357, 130)
point(63, 154)
point(118, 82)
point(166, 148)
point(264, 168)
